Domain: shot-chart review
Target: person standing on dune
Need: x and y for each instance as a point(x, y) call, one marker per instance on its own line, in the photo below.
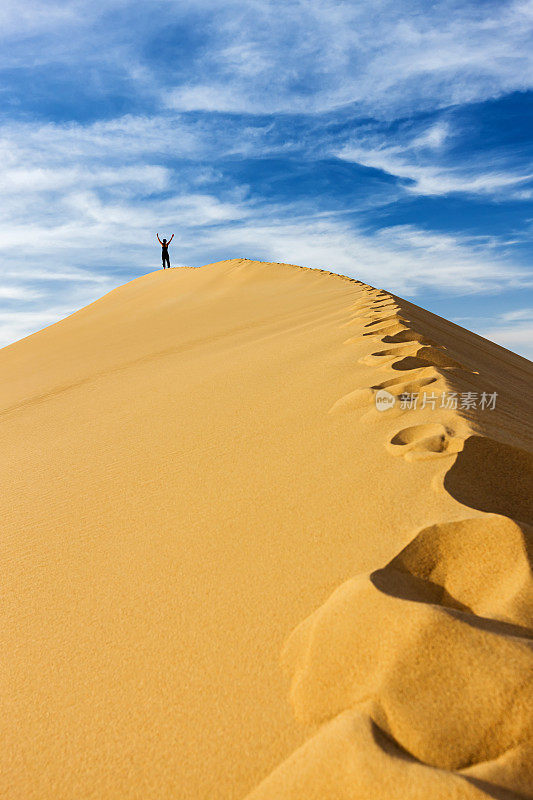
point(164, 253)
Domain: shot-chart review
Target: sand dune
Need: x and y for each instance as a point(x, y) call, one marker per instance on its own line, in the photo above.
point(227, 574)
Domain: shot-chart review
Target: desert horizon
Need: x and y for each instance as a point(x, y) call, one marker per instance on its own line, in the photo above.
point(267, 535)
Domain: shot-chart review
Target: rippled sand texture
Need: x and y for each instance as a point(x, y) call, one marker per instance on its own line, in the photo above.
point(197, 485)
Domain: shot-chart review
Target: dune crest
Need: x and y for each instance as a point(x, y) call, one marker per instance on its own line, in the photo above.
point(200, 478)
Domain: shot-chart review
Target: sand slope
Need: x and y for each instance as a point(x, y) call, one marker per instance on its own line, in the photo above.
point(196, 483)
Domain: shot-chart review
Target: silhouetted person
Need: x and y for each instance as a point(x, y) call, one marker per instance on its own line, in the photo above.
point(164, 252)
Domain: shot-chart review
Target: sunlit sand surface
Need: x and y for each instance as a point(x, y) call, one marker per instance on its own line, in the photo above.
point(226, 574)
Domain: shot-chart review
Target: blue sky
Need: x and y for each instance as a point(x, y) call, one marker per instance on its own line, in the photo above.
point(389, 141)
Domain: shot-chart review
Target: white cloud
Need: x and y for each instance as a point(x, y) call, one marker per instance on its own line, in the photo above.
point(517, 337)
point(314, 56)
point(146, 178)
point(432, 138)
point(15, 325)
point(127, 137)
point(24, 19)
point(411, 161)
point(44, 274)
point(211, 97)
point(510, 329)
point(18, 293)
point(304, 56)
point(517, 315)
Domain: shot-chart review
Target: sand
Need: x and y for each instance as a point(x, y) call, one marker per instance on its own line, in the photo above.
point(226, 574)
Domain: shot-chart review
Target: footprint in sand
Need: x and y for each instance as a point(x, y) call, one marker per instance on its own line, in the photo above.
point(430, 440)
point(395, 386)
point(395, 317)
point(412, 356)
point(407, 335)
point(386, 357)
point(359, 315)
point(385, 306)
point(386, 329)
point(415, 382)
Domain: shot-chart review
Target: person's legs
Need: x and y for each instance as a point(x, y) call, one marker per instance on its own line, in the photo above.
point(166, 260)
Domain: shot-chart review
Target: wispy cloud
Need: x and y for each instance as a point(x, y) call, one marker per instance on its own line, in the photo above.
point(104, 198)
point(416, 161)
point(514, 330)
point(382, 57)
point(15, 325)
point(273, 56)
point(517, 315)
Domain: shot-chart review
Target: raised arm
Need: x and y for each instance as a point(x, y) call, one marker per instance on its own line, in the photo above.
point(159, 240)
point(171, 238)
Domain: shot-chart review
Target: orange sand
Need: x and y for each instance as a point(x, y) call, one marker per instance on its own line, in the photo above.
point(196, 483)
